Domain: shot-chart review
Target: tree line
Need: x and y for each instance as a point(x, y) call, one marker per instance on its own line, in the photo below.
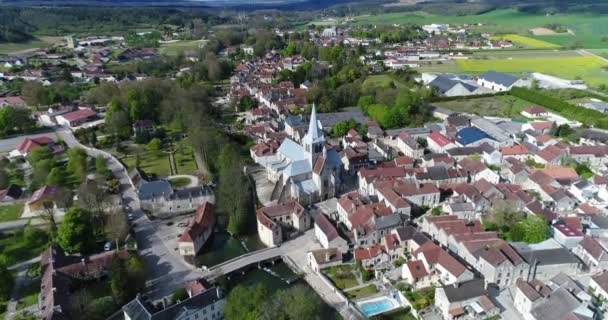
point(584, 115)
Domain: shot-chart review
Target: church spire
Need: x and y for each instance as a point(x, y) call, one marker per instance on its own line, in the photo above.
point(313, 141)
point(313, 126)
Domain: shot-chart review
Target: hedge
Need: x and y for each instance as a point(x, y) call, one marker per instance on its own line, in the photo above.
point(581, 114)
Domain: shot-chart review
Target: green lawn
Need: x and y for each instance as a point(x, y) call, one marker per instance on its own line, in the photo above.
point(382, 81)
point(152, 162)
point(11, 212)
point(422, 298)
point(497, 106)
point(181, 182)
point(362, 292)
point(19, 246)
point(448, 66)
point(586, 68)
point(173, 48)
point(184, 158)
point(342, 276)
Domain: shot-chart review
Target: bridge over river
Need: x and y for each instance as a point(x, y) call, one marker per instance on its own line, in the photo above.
point(243, 261)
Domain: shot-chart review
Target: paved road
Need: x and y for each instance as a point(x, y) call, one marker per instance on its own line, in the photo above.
point(166, 270)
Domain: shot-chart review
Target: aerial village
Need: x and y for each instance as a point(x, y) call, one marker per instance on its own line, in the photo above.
point(464, 216)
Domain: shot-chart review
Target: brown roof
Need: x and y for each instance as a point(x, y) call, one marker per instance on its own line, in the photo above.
point(204, 219)
point(369, 252)
point(277, 210)
point(326, 227)
point(593, 248)
point(417, 269)
point(528, 290)
point(601, 279)
point(486, 303)
point(319, 165)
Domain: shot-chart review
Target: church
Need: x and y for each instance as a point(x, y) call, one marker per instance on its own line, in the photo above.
point(306, 172)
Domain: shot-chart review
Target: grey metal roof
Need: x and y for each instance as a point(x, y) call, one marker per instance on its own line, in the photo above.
point(558, 304)
point(140, 310)
point(465, 290)
point(149, 190)
point(548, 256)
point(600, 221)
point(386, 222)
point(499, 78)
point(444, 84)
point(291, 150)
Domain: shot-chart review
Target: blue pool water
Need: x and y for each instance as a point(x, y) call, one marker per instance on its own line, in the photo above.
point(372, 308)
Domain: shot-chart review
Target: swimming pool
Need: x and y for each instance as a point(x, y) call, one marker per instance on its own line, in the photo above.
point(378, 305)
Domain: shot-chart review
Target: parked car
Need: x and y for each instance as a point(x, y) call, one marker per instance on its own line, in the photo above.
point(107, 246)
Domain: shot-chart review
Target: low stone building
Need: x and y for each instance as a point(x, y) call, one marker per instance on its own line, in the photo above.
point(159, 198)
point(277, 222)
point(198, 231)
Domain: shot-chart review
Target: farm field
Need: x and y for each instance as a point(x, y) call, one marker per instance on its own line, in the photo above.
point(496, 106)
point(173, 48)
point(518, 54)
point(588, 28)
point(12, 48)
point(382, 81)
point(527, 41)
point(587, 68)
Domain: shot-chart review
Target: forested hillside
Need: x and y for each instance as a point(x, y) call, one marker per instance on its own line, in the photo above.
point(20, 24)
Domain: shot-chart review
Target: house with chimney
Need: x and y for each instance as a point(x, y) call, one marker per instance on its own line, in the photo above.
point(278, 221)
point(469, 299)
point(559, 298)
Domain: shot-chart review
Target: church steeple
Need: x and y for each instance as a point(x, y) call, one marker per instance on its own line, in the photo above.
point(314, 140)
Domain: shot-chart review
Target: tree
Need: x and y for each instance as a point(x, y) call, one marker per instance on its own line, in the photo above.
point(179, 295)
point(246, 302)
point(77, 162)
point(95, 199)
point(119, 280)
point(75, 234)
point(535, 229)
point(155, 145)
point(7, 281)
point(137, 274)
point(56, 177)
point(101, 167)
point(295, 303)
point(4, 179)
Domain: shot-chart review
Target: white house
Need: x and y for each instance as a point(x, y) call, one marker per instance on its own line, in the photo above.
point(500, 82)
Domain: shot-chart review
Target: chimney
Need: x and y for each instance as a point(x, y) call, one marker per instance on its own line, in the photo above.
point(327, 256)
point(456, 284)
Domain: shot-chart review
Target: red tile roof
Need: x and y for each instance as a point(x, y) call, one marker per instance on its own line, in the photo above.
point(417, 269)
point(439, 139)
point(535, 110)
point(204, 219)
point(28, 144)
point(369, 252)
point(79, 114)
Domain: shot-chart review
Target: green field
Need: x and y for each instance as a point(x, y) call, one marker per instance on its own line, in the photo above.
point(587, 68)
point(588, 28)
point(512, 54)
point(382, 81)
point(526, 41)
point(173, 48)
point(11, 48)
point(497, 106)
